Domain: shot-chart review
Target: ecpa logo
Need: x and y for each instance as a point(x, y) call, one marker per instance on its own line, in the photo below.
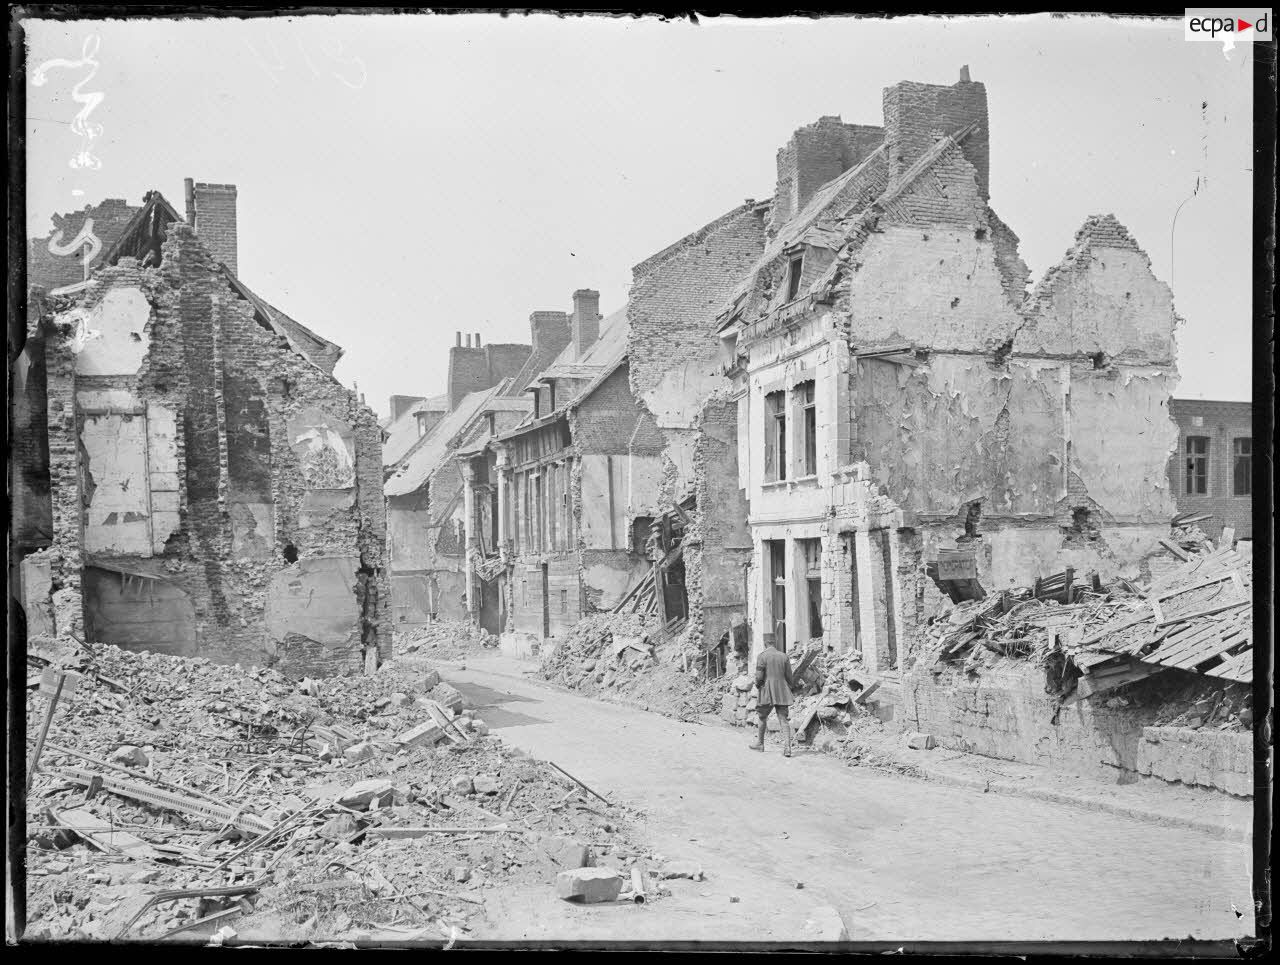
point(1227, 25)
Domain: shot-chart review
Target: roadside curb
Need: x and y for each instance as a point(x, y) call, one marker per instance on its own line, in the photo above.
point(922, 771)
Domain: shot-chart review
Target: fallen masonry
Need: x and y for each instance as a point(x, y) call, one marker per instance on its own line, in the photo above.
point(201, 802)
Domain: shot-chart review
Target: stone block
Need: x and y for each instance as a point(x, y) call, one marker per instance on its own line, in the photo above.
point(363, 794)
point(428, 732)
point(430, 680)
point(447, 696)
point(486, 784)
point(567, 852)
point(588, 885)
point(920, 742)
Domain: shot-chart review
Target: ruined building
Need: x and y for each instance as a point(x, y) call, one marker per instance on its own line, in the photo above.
point(192, 478)
point(911, 422)
point(424, 471)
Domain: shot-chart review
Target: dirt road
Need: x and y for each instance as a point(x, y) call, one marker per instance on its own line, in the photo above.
point(901, 859)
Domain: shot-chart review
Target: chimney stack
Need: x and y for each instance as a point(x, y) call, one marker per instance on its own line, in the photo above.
point(468, 340)
point(477, 339)
point(816, 154)
point(916, 116)
point(189, 190)
point(585, 326)
point(457, 339)
point(213, 215)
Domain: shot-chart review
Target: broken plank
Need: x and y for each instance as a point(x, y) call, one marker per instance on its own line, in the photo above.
point(579, 783)
point(1204, 613)
point(89, 827)
point(1175, 549)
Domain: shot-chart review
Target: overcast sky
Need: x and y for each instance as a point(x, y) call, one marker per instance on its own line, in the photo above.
point(403, 177)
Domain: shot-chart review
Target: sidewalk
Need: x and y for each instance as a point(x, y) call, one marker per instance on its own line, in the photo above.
point(1198, 809)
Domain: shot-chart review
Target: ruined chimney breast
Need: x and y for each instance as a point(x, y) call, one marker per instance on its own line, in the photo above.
point(585, 326)
point(916, 115)
point(816, 154)
point(212, 210)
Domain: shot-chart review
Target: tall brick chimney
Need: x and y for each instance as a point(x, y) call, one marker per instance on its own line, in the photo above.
point(585, 326)
point(816, 154)
point(917, 115)
point(212, 210)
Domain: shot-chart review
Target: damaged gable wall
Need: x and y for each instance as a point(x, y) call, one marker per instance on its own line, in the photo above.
point(223, 481)
point(676, 366)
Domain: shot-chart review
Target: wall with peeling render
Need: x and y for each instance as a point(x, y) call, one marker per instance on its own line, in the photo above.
point(201, 454)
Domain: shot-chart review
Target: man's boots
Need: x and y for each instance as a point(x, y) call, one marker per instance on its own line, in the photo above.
point(786, 735)
point(759, 744)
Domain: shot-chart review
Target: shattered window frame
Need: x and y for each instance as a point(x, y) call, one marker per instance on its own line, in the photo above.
point(795, 271)
point(775, 429)
point(807, 403)
point(1197, 474)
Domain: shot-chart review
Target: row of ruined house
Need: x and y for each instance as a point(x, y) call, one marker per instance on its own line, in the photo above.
point(805, 417)
point(802, 411)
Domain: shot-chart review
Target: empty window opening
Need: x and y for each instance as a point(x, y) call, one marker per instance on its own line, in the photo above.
point(1083, 523)
point(641, 527)
point(775, 431)
point(980, 234)
point(777, 577)
point(564, 601)
point(1242, 467)
point(793, 277)
point(808, 428)
point(1197, 483)
point(972, 516)
point(1099, 360)
point(812, 554)
point(290, 553)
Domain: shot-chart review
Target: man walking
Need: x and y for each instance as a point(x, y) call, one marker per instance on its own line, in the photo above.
point(773, 684)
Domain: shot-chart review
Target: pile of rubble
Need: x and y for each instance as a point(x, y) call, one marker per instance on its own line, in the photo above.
point(442, 640)
point(173, 797)
point(624, 654)
point(1194, 617)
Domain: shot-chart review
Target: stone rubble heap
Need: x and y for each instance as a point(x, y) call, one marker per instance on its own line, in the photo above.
point(357, 806)
point(442, 640)
point(616, 653)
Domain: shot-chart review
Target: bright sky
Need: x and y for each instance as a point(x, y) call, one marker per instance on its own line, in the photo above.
point(403, 177)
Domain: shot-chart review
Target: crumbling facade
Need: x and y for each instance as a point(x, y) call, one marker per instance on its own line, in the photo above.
point(212, 490)
point(910, 420)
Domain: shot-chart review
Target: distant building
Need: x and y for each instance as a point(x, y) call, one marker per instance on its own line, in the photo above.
point(1212, 469)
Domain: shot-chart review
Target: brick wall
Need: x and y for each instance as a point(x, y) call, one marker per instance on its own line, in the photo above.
point(1004, 713)
point(916, 115)
point(48, 270)
point(216, 221)
point(1222, 423)
point(816, 154)
point(235, 389)
point(611, 422)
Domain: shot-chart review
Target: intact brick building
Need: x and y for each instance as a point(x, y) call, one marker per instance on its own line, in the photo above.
point(198, 483)
point(1211, 471)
